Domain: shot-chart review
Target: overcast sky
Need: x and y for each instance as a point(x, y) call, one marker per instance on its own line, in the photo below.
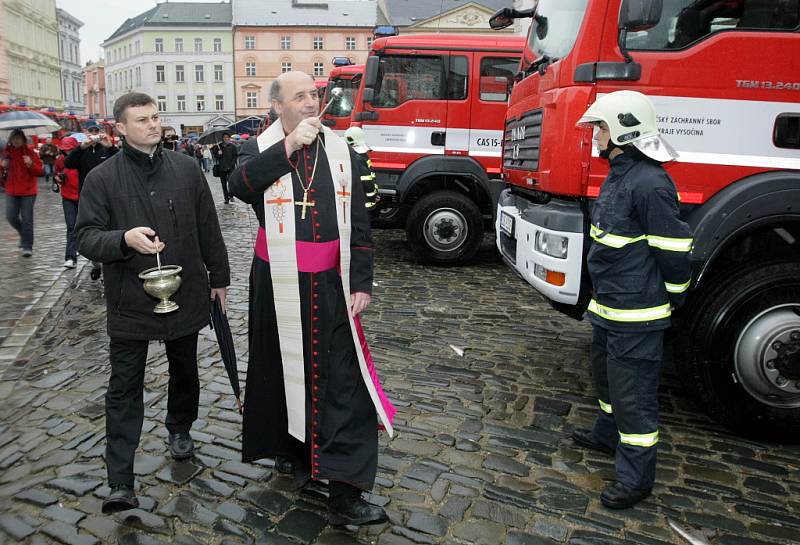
point(101, 18)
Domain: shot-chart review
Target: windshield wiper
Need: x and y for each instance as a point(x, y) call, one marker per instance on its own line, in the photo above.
point(540, 64)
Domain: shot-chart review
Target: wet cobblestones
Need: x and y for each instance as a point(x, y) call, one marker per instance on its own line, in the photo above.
point(488, 382)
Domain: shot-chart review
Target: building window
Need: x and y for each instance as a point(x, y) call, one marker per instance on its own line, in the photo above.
point(201, 103)
point(181, 103)
point(179, 74)
point(319, 42)
point(162, 103)
point(159, 45)
point(350, 42)
point(286, 42)
point(138, 75)
point(219, 103)
point(138, 47)
point(286, 67)
point(250, 68)
point(178, 45)
point(217, 45)
point(370, 39)
point(249, 42)
point(217, 72)
point(198, 45)
point(130, 50)
point(319, 69)
point(199, 73)
point(252, 101)
point(160, 73)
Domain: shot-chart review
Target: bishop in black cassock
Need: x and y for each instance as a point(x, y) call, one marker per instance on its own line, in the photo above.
point(325, 418)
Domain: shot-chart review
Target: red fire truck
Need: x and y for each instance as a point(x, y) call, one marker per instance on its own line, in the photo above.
point(348, 79)
point(725, 82)
point(432, 108)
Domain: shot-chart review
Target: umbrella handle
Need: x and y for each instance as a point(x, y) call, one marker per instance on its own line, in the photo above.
point(239, 404)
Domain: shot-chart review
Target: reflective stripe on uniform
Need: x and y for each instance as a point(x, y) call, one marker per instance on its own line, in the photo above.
point(630, 315)
point(605, 407)
point(662, 243)
point(670, 244)
point(368, 177)
point(639, 439)
point(677, 288)
point(614, 241)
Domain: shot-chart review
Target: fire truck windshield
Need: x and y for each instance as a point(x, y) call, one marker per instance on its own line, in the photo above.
point(554, 29)
point(344, 106)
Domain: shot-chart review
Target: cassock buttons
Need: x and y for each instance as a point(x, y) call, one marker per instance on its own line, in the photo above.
point(316, 366)
point(316, 307)
point(316, 295)
point(316, 283)
point(316, 376)
point(317, 225)
point(316, 353)
point(318, 237)
point(315, 318)
point(316, 341)
point(316, 330)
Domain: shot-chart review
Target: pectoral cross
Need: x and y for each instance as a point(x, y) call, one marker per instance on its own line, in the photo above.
point(305, 203)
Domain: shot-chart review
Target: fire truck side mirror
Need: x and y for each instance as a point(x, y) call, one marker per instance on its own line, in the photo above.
point(639, 15)
point(505, 17)
point(371, 72)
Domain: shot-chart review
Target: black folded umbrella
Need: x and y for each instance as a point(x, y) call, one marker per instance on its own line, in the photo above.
point(219, 323)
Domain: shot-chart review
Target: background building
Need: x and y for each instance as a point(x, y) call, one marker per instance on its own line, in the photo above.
point(94, 77)
point(30, 32)
point(69, 49)
point(446, 16)
point(5, 90)
point(281, 35)
point(180, 53)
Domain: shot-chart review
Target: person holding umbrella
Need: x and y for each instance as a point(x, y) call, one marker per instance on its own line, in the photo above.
point(19, 167)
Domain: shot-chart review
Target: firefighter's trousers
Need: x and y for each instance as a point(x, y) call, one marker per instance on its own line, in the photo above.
point(625, 367)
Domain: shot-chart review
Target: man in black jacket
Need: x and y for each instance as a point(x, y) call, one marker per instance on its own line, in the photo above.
point(92, 152)
point(226, 154)
point(143, 201)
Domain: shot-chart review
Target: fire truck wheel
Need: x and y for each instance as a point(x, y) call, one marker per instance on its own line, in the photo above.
point(738, 349)
point(444, 228)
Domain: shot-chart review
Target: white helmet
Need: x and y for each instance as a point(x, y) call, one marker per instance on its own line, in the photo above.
point(631, 119)
point(355, 137)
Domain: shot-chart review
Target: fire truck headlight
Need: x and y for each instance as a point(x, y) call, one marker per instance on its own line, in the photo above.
point(552, 245)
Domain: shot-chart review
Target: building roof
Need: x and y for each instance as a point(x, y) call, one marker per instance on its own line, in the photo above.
point(178, 14)
point(332, 13)
point(403, 13)
point(64, 14)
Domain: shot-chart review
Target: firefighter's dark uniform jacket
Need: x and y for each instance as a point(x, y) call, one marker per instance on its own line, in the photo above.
point(367, 179)
point(639, 258)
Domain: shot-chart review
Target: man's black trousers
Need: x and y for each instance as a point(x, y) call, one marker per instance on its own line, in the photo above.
point(626, 366)
point(125, 402)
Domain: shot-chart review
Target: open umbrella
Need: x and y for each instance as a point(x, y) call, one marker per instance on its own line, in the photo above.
point(27, 121)
point(213, 135)
point(219, 323)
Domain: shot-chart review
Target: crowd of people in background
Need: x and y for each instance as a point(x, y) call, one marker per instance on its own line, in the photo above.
point(65, 162)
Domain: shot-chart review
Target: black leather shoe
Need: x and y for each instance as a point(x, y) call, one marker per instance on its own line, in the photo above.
point(619, 496)
point(585, 438)
point(181, 445)
point(355, 511)
point(96, 272)
point(121, 498)
point(284, 465)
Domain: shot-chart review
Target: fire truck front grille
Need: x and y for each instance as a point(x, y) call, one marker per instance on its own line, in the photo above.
point(521, 141)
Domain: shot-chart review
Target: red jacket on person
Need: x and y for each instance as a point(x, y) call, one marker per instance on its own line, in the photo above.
point(69, 185)
point(20, 179)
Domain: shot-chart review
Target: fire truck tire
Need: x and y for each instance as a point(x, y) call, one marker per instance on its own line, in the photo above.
point(738, 350)
point(445, 228)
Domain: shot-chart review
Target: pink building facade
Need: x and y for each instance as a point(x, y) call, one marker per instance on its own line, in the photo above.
point(260, 54)
point(94, 84)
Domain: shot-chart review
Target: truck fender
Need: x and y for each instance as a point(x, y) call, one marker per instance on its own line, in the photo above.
point(740, 207)
point(439, 165)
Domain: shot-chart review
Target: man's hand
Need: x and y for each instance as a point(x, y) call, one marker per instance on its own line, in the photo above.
point(27, 161)
point(137, 239)
point(86, 144)
point(222, 293)
point(302, 135)
point(359, 302)
point(106, 141)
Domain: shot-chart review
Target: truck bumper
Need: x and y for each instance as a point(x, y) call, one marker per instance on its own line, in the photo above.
point(558, 217)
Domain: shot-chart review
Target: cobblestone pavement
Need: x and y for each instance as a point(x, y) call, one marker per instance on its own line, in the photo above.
point(481, 453)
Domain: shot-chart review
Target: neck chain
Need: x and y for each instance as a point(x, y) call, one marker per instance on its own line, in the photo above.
point(313, 171)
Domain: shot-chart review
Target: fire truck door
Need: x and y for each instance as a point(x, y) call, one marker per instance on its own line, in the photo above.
point(459, 103)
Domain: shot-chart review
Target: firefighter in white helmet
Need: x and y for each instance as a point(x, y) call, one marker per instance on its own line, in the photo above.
point(640, 270)
point(355, 137)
